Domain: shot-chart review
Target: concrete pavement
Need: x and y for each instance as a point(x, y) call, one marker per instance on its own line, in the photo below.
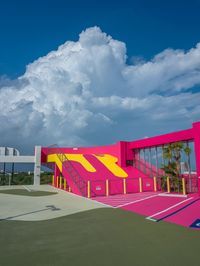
point(27, 208)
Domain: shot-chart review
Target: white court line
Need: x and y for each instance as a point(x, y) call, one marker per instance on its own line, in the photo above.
point(28, 189)
point(172, 195)
point(127, 195)
point(135, 201)
point(125, 199)
point(165, 210)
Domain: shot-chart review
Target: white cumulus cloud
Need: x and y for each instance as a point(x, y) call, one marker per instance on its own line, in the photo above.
point(85, 93)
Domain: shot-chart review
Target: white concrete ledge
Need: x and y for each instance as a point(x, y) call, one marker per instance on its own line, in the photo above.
point(17, 159)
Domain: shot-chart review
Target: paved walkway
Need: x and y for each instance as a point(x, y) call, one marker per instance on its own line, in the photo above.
point(26, 208)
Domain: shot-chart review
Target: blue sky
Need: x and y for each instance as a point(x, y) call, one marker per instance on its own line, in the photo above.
point(85, 73)
point(30, 29)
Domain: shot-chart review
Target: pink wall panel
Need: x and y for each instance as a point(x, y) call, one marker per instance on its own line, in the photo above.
point(147, 184)
point(116, 186)
point(98, 188)
point(132, 185)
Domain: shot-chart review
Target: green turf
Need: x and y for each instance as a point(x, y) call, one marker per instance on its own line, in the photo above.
point(24, 192)
point(101, 237)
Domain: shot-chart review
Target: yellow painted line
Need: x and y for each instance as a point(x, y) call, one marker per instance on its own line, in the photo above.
point(79, 158)
point(109, 162)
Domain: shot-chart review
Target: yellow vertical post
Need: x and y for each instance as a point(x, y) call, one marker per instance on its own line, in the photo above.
point(65, 184)
point(60, 181)
point(88, 189)
point(183, 184)
point(124, 185)
point(155, 183)
point(57, 179)
point(168, 185)
point(140, 183)
point(107, 188)
point(53, 180)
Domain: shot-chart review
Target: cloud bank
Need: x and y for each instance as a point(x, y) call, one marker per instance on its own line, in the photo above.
point(85, 93)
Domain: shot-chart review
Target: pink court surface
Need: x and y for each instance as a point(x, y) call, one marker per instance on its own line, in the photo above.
point(156, 207)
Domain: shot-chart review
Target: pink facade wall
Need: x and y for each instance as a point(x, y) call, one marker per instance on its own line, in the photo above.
point(192, 134)
point(196, 132)
point(183, 135)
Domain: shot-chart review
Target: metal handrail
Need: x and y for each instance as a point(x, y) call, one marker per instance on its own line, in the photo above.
point(139, 165)
point(77, 179)
point(75, 176)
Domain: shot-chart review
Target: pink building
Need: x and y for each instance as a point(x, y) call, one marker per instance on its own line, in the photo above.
point(125, 167)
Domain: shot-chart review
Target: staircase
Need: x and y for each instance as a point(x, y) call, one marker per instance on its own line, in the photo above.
point(147, 169)
point(69, 172)
point(80, 183)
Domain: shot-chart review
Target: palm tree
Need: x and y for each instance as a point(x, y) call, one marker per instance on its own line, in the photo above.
point(172, 152)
